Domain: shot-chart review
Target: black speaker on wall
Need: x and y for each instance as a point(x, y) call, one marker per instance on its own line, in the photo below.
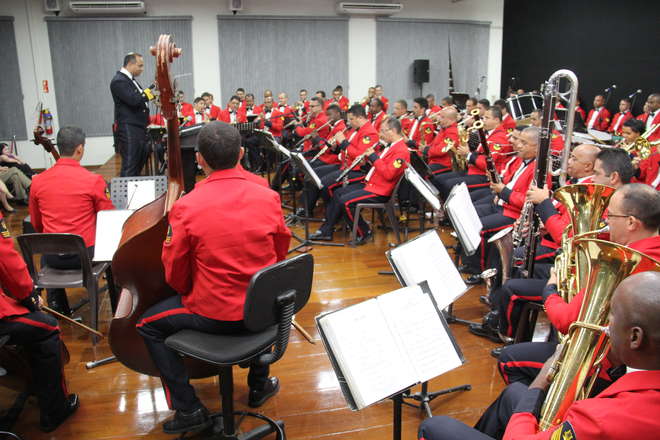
point(421, 71)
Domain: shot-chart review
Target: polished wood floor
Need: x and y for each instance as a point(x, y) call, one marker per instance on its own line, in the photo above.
point(117, 403)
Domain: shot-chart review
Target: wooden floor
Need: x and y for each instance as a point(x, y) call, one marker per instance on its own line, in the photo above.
point(117, 403)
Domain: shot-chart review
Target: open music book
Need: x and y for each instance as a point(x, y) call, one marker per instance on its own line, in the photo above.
point(464, 218)
point(309, 172)
point(425, 258)
point(425, 189)
point(109, 224)
point(387, 344)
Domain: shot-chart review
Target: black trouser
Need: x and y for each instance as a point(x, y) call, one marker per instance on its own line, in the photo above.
point(168, 317)
point(252, 144)
point(344, 202)
point(328, 175)
point(510, 299)
point(446, 181)
point(493, 221)
point(40, 336)
point(132, 145)
point(492, 423)
point(57, 298)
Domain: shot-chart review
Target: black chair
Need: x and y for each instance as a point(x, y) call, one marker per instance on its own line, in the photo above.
point(388, 206)
point(87, 276)
point(275, 293)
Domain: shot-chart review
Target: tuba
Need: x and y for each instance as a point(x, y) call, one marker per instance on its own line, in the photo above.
point(607, 264)
point(585, 204)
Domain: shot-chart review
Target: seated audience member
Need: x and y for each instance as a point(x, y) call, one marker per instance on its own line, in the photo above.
point(8, 159)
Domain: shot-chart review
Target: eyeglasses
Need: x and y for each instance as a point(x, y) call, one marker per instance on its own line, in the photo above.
point(619, 215)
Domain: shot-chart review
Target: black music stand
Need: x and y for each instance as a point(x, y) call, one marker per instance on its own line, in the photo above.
point(188, 139)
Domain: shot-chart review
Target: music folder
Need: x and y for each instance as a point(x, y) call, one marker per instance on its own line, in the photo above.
point(425, 189)
point(308, 171)
point(385, 345)
point(464, 218)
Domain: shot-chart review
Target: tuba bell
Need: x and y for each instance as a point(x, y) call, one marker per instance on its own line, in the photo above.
point(586, 345)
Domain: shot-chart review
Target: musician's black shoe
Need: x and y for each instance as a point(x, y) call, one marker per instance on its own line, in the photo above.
point(257, 398)
point(468, 270)
point(300, 212)
point(496, 352)
point(50, 423)
point(320, 236)
point(363, 239)
point(58, 301)
point(473, 280)
point(488, 327)
point(196, 420)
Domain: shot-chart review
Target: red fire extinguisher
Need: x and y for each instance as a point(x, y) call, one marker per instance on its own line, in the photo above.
point(48, 121)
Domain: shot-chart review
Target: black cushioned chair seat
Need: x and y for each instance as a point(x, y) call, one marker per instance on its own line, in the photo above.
point(222, 349)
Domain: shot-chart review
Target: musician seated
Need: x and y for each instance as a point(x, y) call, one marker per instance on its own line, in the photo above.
point(433, 108)
point(438, 157)
point(387, 167)
point(625, 410)
point(65, 199)
point(496, 216)
point(197, 114)
point(211, 110)
point(202, 265)
point(400, 111)
point(271, 118)
point(422, 129)
point(331, 154)
point(634, 220)
point(447, 101)
point(556, 141)
point(631, 130)
point(37, 332)
point(363, 137)
point(234, 113)
point(622, 116)
point(378, 89)
point(338, 98)
point(599, 116)
point(508, 123)
point(376, 113)
point(613, 168)
point(651, 117)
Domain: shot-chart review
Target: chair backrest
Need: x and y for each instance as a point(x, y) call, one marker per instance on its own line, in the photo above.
point(395, 194)
point(119, 188)
point(271, 283)
point(49, 244)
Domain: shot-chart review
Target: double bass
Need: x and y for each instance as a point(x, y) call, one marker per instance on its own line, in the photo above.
point(137, 265)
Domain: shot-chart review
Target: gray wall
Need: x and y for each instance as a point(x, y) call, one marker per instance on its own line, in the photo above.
point(282, 54)
point(11, 94)
point(87, 53)
point(400, 41)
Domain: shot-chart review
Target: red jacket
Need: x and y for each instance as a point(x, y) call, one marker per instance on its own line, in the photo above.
point(274, 120)
point(378, 120)
point(627, 409)
point(422, 128)
point(435, 154)
point(15, 281)
point(213, 112)
point(602, 121)
point(343, 103)
point(65, 199)
point(319, 120)
point(514, 198)
point(617, 122)
point(215, 244)
point(157, 119)
point(508, 123)
point(582, 113)
point(499, 145)
point(562, 314)
point(385, 101)
point(556, 142)
point(388, 167)
point(406, 125)
point(649, 169)
point(330, 157)
point(656, 120)
point(225, 116)
point(358, 142)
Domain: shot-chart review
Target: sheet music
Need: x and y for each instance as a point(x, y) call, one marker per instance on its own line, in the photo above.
point(600, 135)
point(425, 258)
point(374, 364)
point(464, 218)
point(109, 224)
point(309, 172)
point(139, 193)
point(420, 185)
point(416, 323)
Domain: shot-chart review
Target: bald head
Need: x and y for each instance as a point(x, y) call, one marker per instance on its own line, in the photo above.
point(581, 161)
point(447, 116)
point(634, 324)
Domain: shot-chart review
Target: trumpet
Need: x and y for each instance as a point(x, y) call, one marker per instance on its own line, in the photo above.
point(641, 147)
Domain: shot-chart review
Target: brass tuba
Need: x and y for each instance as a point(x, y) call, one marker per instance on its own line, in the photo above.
point(585, 204)
point(607, 265)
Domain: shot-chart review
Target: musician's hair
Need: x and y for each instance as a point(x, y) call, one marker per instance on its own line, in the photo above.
point(339, 88)
point(500, 103)
point(430, 95)
point(616, 159)
point(484, 102)
point(251, 95)
point(495, 112)
point(635, 125)
point(131, 57)
point(642, 202)
point(448, 99)
point(302, 90)
point(219, 144)
point(240, 89)
point(601, 95)
point(472, 100)
point(234, 97)
point(626, 100)
point(205, 94)
point(68, 138)
point(422, 102)
point(357, 111)
point(378, 85)
point(404, 103)
point(394, 124)
point(317, 99)
point(378, 102)
point(520, 128)
point(199, 98)
point(334, 108)
point(321, 92)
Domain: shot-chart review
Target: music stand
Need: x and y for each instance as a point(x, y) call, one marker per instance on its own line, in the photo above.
point(188, 140)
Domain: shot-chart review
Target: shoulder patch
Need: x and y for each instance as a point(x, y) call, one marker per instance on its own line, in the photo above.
point(428, 130)
point(564, 432)
point(366, 140)
point(312, 125)
point(497, 147)
point(168, 237)
point(4, 232)
point(107, 193)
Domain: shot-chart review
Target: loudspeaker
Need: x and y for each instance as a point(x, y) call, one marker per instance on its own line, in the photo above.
point(52, 6)
point(421, 71)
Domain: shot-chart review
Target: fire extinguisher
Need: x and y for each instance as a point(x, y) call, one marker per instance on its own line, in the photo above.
point(48, 121)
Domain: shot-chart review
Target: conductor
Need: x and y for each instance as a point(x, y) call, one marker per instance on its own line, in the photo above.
point(131, 114)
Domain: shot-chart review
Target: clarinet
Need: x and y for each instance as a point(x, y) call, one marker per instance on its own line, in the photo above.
point(493, 175)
